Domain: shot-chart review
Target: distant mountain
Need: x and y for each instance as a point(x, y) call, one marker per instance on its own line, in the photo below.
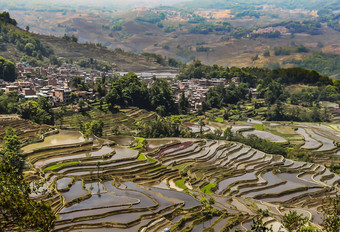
point(21, 45)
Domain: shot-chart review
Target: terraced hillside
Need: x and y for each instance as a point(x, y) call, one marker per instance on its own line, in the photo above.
point(182, 184)
point(27, 131)
point(320, 141)
point(125, 118)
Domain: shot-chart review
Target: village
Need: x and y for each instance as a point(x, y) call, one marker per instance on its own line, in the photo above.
point(54, 83)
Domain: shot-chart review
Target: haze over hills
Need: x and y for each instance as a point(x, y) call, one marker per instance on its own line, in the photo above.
point(46, 48)
point(227, 33)
point(84, 147)
point(98, 4)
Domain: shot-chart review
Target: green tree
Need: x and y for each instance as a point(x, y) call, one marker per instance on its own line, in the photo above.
point(7, 70)
point(93, 128)
point(331, 219)
point(38, 111)
point(73, 97)
point(228, 134)
point(293, 222)
point(29, 48)
point(183, 104)
point(59, 115)
point(17, 210)
point(258, 226)
point(161, 97)
point(128, 90)
point(81, 105)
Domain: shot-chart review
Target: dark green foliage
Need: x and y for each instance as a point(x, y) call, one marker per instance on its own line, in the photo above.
point(196, 19)
point(220, 96)
point(240, 32)
point(163, 60)
point(7, 70)
point(309, 27)
point(78, 83)
point(23, 40)
point(169, 29)
point(280, 51)
point(151, 17)
point(6, 18)
point(302, 49)
point(8, 102)
point(18, 212)
point(198, 70)
point(158, 128)
point(250, 13)
point(39, 111)
point(266, 54)
point(116, 27)
point(92, 128)
point(257, 143)
point(159, 58)
point(270, 35)
point(11, 150)
point(331, 221)
point(202, 49)
point(161, 99)
point(201, 29)
point(299, 76)
point(258, 226)
point(128, 90)
point(183, 104)
point(254, 76)
point(95, 64)
point(173, 62)
point(293, 222)
point(72, 38)
point(205, 28)
point(327, 64)
point(308, 96)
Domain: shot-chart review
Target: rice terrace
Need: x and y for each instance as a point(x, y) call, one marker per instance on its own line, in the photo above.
point(170, 116)
point(125, 183)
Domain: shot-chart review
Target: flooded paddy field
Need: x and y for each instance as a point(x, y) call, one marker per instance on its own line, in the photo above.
point(105, 187)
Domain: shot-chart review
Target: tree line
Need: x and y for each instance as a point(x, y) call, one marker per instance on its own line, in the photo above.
point(129, 90)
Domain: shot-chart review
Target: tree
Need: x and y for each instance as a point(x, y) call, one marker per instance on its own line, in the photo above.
point(202, 124)
point(331, 212)
point(17, 210)
point(115, 130)
point(92, 128)
point(293, 222)
point(228, 134)
point(161, 97)
point(81, 104)
point(27, 28)
point(258, 226)
point(128, 90)
point(7, 70)
point(59, 115)
point(29, 48)
point(76, 81)
point(183, 104)
point(38, 111)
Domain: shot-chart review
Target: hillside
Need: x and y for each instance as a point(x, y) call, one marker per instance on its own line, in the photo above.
point(216, 32)
point(13, 43)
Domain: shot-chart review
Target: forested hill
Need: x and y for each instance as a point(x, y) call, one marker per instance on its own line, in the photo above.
point(22, 45)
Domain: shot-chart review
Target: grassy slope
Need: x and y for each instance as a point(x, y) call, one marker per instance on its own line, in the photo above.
point(123, 61)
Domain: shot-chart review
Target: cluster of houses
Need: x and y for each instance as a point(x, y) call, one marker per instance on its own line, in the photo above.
point(53, 82)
